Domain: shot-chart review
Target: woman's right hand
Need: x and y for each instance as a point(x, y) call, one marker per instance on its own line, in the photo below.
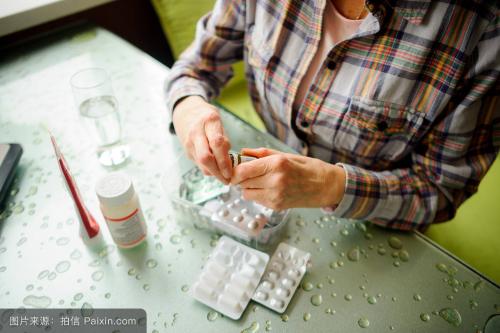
point(199, 128)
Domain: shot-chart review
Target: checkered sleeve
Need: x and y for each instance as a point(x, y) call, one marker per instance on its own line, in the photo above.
point(205, 66)
point(447, 164)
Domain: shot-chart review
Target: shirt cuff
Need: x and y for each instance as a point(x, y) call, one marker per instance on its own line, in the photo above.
point(184, 91)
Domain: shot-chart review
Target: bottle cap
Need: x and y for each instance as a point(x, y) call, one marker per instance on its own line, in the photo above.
point(114, 189)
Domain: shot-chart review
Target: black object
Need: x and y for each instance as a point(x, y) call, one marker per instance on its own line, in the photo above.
point(382, 126)
point(10, 154)
point(331, 65)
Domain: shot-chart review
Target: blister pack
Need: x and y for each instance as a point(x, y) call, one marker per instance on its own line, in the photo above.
point(281, 278)
point(197, 188)
point(236, 216)
point(230, 277)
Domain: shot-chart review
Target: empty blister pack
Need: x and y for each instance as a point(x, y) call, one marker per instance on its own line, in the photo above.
point(197, 188)
point(229, 277)
point(281, 278)
point(236, 216)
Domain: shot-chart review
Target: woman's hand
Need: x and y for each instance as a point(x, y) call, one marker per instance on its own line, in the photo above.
point(199, 128)
point(280, 180)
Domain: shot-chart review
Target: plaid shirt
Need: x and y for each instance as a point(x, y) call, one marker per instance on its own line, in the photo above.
point(409, 106)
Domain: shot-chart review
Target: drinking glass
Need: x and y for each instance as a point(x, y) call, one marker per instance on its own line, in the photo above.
point(98, 108)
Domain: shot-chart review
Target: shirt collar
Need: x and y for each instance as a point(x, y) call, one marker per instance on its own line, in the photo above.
point(412, 10)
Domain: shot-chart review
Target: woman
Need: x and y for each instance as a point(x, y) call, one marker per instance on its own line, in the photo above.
point(394, 104)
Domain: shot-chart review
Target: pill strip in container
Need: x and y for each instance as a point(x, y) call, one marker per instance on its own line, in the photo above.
point(230, 277)
point(232, 214)
point(281, 278)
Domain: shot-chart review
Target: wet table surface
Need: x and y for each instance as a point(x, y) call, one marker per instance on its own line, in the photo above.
point(369, 279)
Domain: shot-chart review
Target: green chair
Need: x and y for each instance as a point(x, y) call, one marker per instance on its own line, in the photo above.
point(473, 235)
point(178, 19)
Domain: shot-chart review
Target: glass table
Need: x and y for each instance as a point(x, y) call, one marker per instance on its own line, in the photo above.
point(369, 279)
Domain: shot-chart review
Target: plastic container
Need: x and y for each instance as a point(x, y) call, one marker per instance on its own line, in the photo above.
point(121, 209)
point(191, 214)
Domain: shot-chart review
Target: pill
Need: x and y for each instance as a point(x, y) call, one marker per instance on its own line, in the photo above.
point(277, 303)
point(238, 218)
point(244, 211)
point(273, 275)
point(253, 225)
point(287, 282)
point(282, 292)
point(229, 303)
point(295, 273)
point(261, 295)
point(223, 212)
point(268, 285)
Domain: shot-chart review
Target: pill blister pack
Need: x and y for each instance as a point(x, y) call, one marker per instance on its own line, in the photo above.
point(281, 278)
point(197, 188)
point(229, 277)
point(236, 216)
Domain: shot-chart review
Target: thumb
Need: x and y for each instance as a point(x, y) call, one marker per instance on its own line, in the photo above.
point(258, 152)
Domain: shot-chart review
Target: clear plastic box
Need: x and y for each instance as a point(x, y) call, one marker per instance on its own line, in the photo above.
point(189, 213)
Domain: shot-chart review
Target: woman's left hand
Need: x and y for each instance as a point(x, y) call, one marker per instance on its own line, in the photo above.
point(280, 180)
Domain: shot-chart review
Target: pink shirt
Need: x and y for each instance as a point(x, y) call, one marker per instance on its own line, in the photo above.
point(336, 28)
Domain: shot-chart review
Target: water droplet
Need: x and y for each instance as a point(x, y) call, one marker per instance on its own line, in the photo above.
point(396, 263)
point(3, 269)
point(315, 240)
point(86, 310)
point(284, 317)
point(29, 287)
point(151, 263)
point(19, 208)
point(394, 298)
point(395, 242)
point(63, 266)
point(452, 316)
point(363, 322)
point(37, 301)
point(254, 327)
point(417, 297)
point(52, 275)
point(333, 243)
point(473, 304)
point(391, 328)
point(371, 300)
point(78, 297)
point(97, 275)
point(212, 315)
point(75, 255)
point(382, 251)
point(478, 285)
point(61, 241)
point(306, 316)
point(132, 271)
point(307, 286)
point(331, 280)
point(107, 295)
point(185, 288)
point(353, 254)
point(158, 246)
point(319, 285)
point(146, 287)
point(344, 232)
point(21, 241)
point(425, 317)
point(348, 297)
point(316, 300)
point(450, 297)
point(404, 255)
point(175, 239)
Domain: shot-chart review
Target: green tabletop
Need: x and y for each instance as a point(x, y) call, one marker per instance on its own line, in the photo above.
point(370, 279)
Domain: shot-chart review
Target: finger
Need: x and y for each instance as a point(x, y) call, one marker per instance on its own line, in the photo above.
point(204, 157)
point(219, 145)
point(250, 170)
point(258, 152)
point(260, 182)
point(257, 195)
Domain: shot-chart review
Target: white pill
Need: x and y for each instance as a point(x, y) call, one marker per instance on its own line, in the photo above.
point(238, 218)
point(273, 275)
point(229, 303)
point(253, 225)
point(244, 211)
point(268, 285)
point(277, 303)
point(279, 266)
point(223, 212)
point(282, 292)
point(261, 295)
point(287, 282)
point(295, 273)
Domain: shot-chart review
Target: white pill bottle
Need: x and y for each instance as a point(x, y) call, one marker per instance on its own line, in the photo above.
point(121, 209)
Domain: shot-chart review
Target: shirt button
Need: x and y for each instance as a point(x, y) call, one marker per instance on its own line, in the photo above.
point(304, 123)
point(382, 126)
point(331, 65)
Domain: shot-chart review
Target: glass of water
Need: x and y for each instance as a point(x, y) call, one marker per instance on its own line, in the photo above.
point(98, 108)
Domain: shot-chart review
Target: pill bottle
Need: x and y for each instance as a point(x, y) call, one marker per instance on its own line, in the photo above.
point(121, 209)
